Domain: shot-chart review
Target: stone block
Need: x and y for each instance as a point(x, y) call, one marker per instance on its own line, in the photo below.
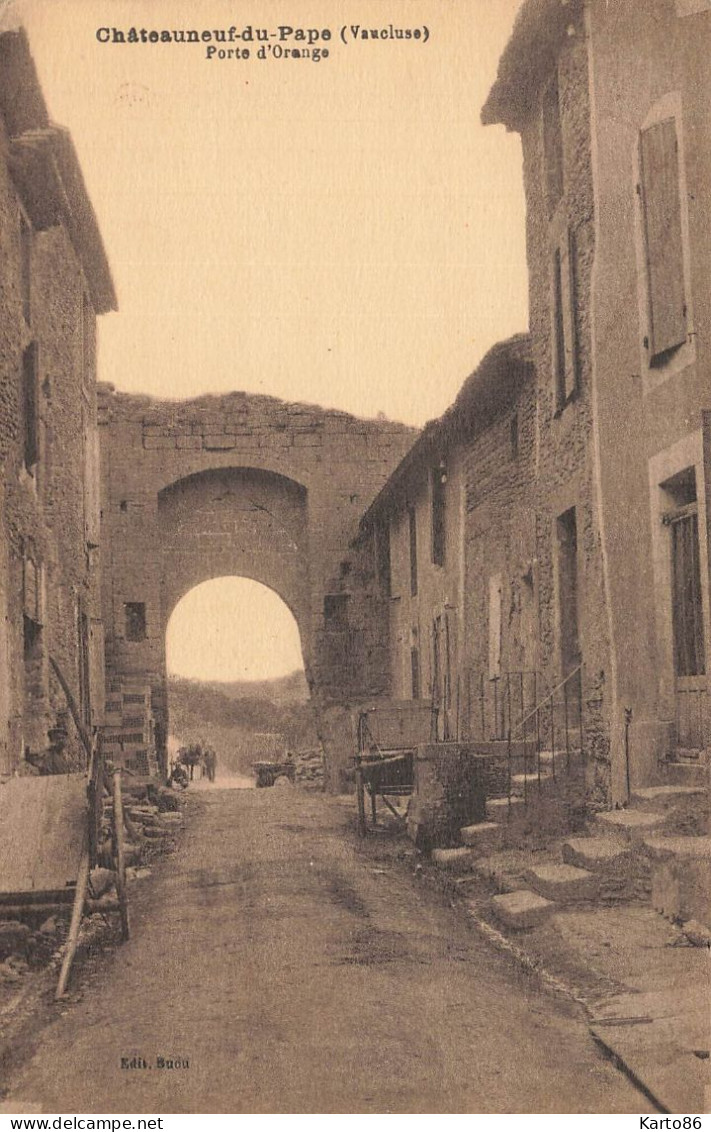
point(14, 938)
point(596, 853)
point(657, 799)
point(504, 809)
point(219, 442)
point(158, 442)
point(681, 877)
point(521, 910)
point(453, 860)
point(563, 882)
point(485, 836)
point(524, 784)
point(631, 824)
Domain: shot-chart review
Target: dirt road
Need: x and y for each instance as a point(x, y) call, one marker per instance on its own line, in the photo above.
point(280, 967)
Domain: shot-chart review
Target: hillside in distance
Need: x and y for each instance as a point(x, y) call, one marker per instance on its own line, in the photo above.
point(234, 717)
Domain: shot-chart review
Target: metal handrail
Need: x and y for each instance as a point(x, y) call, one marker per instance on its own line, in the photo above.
point(542, 703)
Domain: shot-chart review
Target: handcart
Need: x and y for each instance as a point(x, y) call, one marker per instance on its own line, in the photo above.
point(388, 737)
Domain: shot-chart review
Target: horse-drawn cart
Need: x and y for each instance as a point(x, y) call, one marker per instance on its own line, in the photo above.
point(388, 737)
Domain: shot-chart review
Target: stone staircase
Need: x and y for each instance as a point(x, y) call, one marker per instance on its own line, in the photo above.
point(658, 850)
point(128, 735)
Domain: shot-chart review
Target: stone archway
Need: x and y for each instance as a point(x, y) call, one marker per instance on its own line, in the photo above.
point(239, 484)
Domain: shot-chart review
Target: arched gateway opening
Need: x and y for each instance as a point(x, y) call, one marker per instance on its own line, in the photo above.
point(235, 678)
point(234, 486)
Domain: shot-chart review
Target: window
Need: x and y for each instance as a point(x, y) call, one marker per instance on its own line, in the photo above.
point(412, 521)
point(335, 611)
point(565, 351)
point(26, 267)
point(567, 553)
point(439, 480)
point(382, 556)
point(664, 251)
point(87, 339)
point(553, 145)
point(31, 401)
point(135, 620)
point(687, 604)
point(415, 670)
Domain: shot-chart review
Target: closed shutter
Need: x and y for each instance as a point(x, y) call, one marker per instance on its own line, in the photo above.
point(662, 219)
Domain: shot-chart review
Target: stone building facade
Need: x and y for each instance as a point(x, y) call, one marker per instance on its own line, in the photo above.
point(436, 537)
point(610, 102)
point(54, 282)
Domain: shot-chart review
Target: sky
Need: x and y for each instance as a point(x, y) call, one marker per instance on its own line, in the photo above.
point(225, 654)
point(341, 232)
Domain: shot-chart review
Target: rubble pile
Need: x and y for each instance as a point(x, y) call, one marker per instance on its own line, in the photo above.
point(309, 769)
point(153, 817)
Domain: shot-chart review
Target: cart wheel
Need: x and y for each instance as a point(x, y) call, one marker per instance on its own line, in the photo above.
point(120, 856)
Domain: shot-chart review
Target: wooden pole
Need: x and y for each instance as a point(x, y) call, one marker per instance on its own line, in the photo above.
point(120, 855)
point(74, 710)
point(74, 925)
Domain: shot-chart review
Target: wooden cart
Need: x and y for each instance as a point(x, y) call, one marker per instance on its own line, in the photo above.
point(52, 833)
point(388, 737)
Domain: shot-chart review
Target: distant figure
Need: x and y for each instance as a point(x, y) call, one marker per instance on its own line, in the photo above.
point(54, 760)
point(210, 762)
point(178, 776)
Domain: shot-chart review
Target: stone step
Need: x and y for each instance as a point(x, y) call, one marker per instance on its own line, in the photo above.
point(631, 824)
point(681, 877)
point(559, 757)
point(521, 909)
point(596, 853)
point(521, 783)
point(454, 860)
point(484, 836)
point(685, 774)
point(504, 809)
point(563, 882)
point(657, 799)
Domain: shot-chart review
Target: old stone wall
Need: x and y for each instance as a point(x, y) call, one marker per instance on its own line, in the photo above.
point(649, 411)
point(236, 485)
point(44, 516)
point(566, 469)
point(501, 588)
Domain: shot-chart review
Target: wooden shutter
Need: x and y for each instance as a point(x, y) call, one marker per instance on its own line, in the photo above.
point(662, 220)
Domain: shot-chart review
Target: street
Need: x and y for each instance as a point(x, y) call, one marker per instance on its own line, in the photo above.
point(278, 966)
